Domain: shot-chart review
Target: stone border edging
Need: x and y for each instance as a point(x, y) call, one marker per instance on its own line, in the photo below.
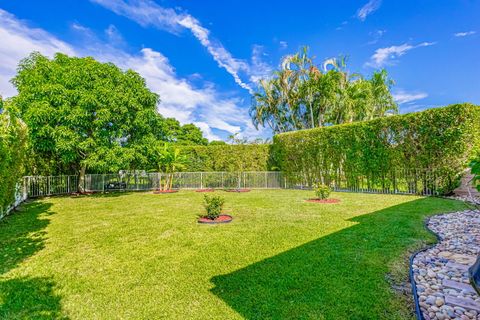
point(418, 312)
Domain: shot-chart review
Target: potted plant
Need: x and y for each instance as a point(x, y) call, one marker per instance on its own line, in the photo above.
point(213, 207)
point(322, 193)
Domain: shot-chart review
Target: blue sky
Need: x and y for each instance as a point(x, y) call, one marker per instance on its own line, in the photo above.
point(205, 57)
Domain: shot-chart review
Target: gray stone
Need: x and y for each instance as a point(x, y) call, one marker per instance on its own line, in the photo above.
point(458, 285)
point(463, 302)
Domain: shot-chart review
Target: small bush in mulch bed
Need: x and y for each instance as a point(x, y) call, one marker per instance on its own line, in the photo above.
point(322, 192)
point(164, 191)
point(238, 190)
point(205, 190)
point(214, 206)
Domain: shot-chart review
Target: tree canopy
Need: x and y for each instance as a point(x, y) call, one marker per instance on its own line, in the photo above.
point(83, 114)
point(302, 95)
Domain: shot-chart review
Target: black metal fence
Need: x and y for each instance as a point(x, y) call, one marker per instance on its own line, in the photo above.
point(419, 181)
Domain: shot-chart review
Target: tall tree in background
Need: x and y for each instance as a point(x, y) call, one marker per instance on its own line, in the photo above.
point(300, 95)
point(86, 115)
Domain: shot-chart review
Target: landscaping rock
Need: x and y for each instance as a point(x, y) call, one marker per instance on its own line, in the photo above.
point(441, 272)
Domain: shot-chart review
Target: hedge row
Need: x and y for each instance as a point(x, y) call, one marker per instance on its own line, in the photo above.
point(228, 157)
point(13, 137)
point(440, 140)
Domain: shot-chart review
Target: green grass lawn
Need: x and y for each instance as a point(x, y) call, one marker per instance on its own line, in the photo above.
point(143, 256)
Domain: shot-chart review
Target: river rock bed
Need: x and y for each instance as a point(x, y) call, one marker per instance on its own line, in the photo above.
point(441, 272)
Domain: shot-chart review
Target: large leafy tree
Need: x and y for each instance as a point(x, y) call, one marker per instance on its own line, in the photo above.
point(187, 134)
point(302, 95)
point(85, 115)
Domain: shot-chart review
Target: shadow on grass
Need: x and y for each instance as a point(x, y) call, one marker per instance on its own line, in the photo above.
point(22, 235)
point(339, 276)
point(29, 298)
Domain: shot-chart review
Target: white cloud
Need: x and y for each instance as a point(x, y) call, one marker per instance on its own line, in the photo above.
point(114, 36)
point(389, 55)
point(402, 96)
point(148, 13)
point(204, 106)
point(464, 34)
point(283, 45)
point(369, 8)
point(376, 35)
point(259, 68)
point(17, 41)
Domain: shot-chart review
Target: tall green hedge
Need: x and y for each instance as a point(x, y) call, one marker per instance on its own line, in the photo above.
point(228, 157)
point(13, 137)
point(440, 140)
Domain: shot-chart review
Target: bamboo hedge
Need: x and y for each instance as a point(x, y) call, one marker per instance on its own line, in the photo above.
point(247, 157)
point(440, 141)
point(13, 137)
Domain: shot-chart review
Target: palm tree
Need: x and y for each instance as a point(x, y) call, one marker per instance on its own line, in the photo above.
point(300, 95)
point(382, 100)
point(170, 160)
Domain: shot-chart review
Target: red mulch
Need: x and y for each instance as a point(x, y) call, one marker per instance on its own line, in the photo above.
point(86, 193)
point(164, 191)
point(205, 190)
point(323, 200)
point(238, 190)
point(223, 218)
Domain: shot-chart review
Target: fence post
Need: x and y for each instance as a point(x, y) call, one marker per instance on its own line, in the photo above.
point(266, 180)
point(201, 180)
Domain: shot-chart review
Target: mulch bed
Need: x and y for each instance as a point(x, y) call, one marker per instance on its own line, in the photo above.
point(223, 218)
point(238, 190)
point(86, 193)
point(164, 191)
point(205, 190)
point(323, 200)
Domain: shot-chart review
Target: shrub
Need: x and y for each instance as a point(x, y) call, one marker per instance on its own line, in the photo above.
point(13, 139)
point(475, 165)
point(379, 151)
point(322, 191)
point(246, 157)
point(213, 205)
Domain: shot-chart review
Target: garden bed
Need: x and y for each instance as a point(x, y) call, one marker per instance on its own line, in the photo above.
point(223, 218)
point(205, 190)
point(323, 200)
point(164, 191)
point(238, 190)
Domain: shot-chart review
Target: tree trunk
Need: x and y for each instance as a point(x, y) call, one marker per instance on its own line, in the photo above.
point(81, 179)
